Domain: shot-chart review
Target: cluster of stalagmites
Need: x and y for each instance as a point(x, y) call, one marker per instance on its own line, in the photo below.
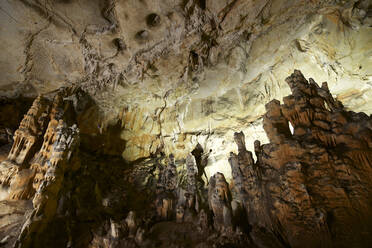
point(309, 187)
point(312, 187)
point(40, 155)
point(189, 214)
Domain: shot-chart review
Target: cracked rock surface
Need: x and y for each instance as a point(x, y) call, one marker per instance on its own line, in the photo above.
point(308, 187)
point(153, 107)
point(184, 72)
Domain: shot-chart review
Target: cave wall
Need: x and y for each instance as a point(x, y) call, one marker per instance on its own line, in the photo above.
point(181, 73)
point(160, 92)
point(308, 186)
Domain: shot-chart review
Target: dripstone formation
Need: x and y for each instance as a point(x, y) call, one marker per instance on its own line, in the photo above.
point(309, 187)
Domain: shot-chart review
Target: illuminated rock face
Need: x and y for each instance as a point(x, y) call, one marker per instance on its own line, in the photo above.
point(311, 187)
point(144, 80)
point(47, 197)
point(179, 73)
point(308, 187)
point(219, 199)
point(15, 172)
point(28, 134)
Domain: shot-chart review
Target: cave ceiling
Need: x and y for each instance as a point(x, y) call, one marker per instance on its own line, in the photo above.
point(186, 123)
point(178, 73)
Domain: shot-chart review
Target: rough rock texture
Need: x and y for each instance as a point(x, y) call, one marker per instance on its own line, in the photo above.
point(12, 216)
point(27, 139)
point(28, 174)
point(312, 187)
point(47, 197)
point(309, 187)
point(139, 102)
point(179, 73)
point(220, 201)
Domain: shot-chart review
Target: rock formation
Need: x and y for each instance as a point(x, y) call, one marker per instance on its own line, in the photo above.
point(30, 157)
point(35, 169)
point(15, 172)
point(220, 201)
point(47, 197)
point(311, 188)
point(167, 185)
point(27, 136)
point(117, 122)
point(192, 198)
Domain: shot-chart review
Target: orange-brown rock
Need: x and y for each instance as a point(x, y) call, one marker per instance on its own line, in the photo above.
point(219, 198)
point(166, 190)
point(29, 133)
point(311, 188)
point(42, 160)
point(14, 172)
point(47, 197)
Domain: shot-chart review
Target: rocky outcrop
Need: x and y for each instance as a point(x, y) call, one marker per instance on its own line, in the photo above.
point(219, 199)
point(183, 72)
point(47, 197)
point(14, 171)
point(309, 187)
point(27, 136)
point(35, 168)
point(166, 190)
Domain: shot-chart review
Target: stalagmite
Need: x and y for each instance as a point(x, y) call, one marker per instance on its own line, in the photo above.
point(305, 177)
point(186, 123)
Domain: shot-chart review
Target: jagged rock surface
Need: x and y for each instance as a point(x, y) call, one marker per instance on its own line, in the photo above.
point(310, 187)
point(144, 79)
point(180, 72)
point(28, 174)
point(27, 140)
point(220, 201)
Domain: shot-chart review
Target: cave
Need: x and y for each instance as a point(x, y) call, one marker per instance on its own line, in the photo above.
point(186, 123)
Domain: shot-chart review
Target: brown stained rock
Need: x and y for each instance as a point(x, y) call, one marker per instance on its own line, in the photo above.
point(27, 136)
point(246, 179)
point(219, 198)
point(66, 141)
point(21, 185)
point(44, 159)
point(27, 171)
point(277, 129)
point(192, 171)
point(46, 199)
point(14, 172)
point(25, 168)
point(166, 186)
point(312, 188)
